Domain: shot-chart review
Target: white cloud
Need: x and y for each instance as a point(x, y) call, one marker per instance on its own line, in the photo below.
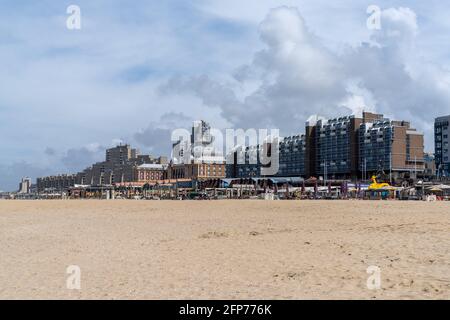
point(77, 159)
point(64, 89)
point(296, 75)
point(157, 136)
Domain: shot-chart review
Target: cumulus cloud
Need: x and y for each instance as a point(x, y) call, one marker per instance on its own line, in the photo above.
point(295, 65)
point(57, 162)
point(392, 70)
point(12, 173)
point(399, 29)
point(97, 83)
point(293, 76)
point(77, 159)
point(296, 75)
point(157, 136)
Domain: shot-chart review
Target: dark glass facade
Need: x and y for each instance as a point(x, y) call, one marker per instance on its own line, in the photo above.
point(334, 147)
point(441, 140)
point(292, 157)
point(375, 146)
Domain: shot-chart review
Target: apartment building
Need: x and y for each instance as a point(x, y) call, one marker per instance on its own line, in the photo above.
point(390, 146)
point(244, 162)
point(121, 154)
point(441, 141)
point(342, 148)
point(292, 155)
point(58, 183)
point(150, 172)
point(336, 147)
point(197, 171)
point(122, 164)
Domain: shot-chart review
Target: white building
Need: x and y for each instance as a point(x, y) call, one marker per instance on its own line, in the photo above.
point(200, 146)
point(25, 186)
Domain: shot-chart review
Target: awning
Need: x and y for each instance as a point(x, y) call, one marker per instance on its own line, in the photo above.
point(441, 186)
point(287, 180)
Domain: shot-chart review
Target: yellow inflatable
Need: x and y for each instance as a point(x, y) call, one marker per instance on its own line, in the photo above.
point(377, 186)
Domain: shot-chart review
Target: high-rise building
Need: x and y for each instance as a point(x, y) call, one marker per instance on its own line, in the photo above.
point(390, 146)
point(244, 162)
point(292, 155)
point(336, 147)
point(122, 164)
point(56, 183)
point(441, 141)
point(25, 186)
point(342, 148)
point(375, 140)
point(198, 148)
point(121, 154)
point(310, 145)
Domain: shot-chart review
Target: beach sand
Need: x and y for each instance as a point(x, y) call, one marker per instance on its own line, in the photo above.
point(224, 249)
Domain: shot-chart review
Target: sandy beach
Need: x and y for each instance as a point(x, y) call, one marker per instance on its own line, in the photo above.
point(224, 249)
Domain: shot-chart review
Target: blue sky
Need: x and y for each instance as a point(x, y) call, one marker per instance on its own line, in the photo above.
point(138, 69)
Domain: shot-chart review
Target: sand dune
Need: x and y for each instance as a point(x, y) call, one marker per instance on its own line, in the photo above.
point(224, 249)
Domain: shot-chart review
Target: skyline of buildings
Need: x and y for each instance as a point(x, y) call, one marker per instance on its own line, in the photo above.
point(343, 148)
point(122, 164)
point(235, 86)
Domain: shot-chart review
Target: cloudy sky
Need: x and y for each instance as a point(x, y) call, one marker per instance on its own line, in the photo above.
point(138, 69)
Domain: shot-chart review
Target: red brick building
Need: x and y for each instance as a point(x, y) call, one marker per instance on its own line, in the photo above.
point(150, 172)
